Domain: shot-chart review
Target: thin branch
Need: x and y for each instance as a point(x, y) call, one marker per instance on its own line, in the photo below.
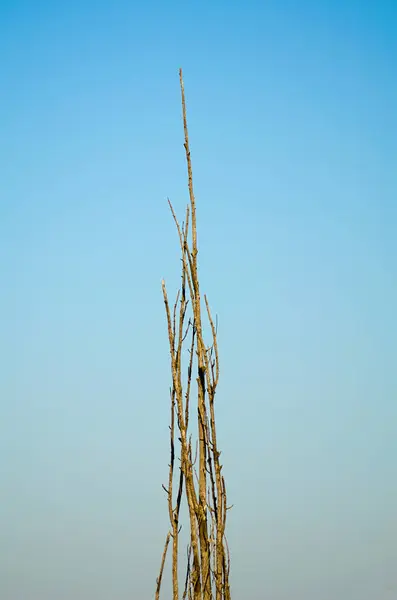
point(208, 560)
point(160, 577)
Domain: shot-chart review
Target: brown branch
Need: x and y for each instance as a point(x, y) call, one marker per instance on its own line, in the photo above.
point(189, 167)
point(208, 562)
point(215, 343)
point(160, 577)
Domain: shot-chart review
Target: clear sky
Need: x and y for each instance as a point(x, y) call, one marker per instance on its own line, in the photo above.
point(293, 125)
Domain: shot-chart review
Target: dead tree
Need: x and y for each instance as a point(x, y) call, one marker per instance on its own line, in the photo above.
point(195, 470)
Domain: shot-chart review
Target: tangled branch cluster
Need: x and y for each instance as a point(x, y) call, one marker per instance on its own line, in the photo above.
point(200, 478)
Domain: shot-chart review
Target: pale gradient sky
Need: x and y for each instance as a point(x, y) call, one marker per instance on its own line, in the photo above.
point(293, 124)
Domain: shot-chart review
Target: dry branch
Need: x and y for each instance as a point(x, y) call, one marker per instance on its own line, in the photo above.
point(208, 559)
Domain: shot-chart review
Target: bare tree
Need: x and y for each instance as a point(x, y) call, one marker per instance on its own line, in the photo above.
point(195, 473)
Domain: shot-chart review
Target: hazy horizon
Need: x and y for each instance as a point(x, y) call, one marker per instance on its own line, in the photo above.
point(293, 130)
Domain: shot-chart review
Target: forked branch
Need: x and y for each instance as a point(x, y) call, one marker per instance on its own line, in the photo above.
point(208, 560)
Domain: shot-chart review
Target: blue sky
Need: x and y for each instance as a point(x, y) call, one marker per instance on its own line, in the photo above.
point(293, 127)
